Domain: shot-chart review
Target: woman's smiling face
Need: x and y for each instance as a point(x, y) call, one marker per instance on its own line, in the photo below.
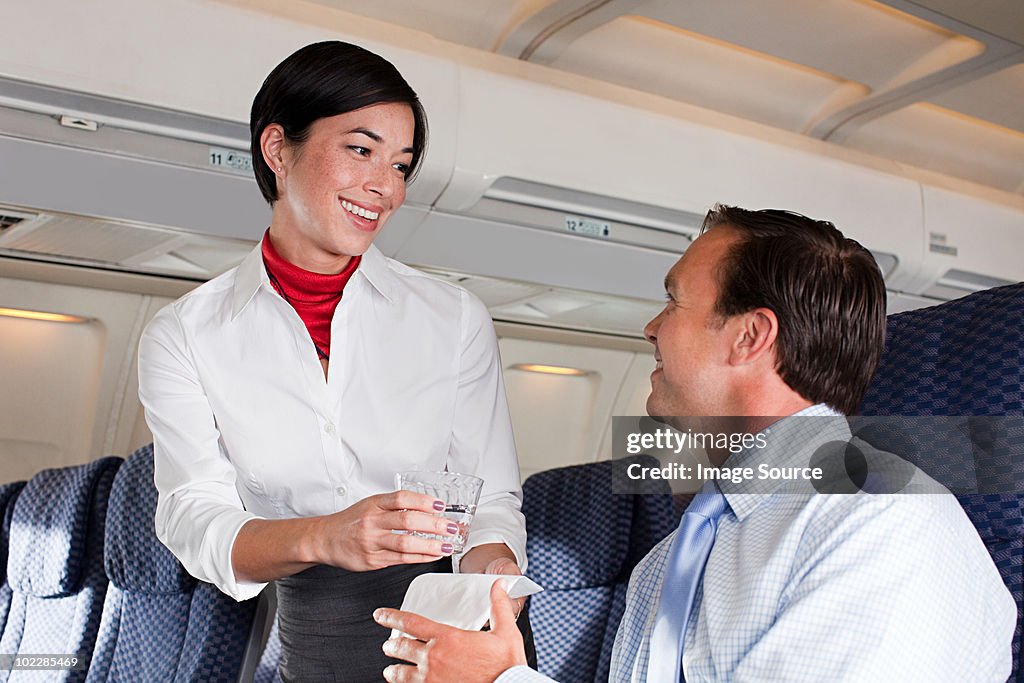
point(338, 188)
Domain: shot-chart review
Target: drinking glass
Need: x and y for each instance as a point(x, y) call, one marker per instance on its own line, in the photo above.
point(460, 493)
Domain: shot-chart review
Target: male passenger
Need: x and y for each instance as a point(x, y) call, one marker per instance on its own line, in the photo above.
point(771, 313)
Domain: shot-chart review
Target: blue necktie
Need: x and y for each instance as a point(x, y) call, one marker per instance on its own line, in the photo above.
point(685, 565)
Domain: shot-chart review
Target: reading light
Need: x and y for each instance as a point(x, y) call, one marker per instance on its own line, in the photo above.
point(549, 369)
point(40, 315)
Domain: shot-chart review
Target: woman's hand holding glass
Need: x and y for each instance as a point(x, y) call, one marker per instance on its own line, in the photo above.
point(362, 537)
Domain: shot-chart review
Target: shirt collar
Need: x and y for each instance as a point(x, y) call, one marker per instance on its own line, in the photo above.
point(251, 275)
point(375, 268)
point(790, 442)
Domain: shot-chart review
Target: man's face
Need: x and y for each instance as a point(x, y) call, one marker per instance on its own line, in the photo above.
point(691, 345)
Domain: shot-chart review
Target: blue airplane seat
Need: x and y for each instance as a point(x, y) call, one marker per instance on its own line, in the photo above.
point(583, 542)
point(8, 494)
point(964, 359)
point(55, 566)
point(159, 623)
point(267, 670)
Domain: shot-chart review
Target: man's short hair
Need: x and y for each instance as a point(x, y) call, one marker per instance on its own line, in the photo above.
point(825, 289)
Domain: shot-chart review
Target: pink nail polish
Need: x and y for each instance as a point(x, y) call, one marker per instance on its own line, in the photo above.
point(447, 549)
point(439, 505)
point(453, 529)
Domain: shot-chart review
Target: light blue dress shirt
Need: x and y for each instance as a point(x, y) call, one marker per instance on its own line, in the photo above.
point(803, 586)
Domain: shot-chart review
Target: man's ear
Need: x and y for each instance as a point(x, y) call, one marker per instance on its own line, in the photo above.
point(755, 337)
point(272, 147)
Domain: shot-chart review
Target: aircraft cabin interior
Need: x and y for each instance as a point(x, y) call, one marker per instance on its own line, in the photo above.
point(574, 149)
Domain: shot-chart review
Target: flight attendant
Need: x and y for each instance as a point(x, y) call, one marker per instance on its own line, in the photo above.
point(285, 394)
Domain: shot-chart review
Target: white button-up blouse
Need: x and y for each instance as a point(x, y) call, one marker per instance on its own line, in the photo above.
point(245, 425)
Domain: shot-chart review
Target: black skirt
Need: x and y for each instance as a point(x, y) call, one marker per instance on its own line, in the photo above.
point(325, 618)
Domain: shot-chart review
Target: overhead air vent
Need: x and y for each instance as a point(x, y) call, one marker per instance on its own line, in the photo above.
point(9, 218)
point(559, 209)
point(86, 239)
point(557, 307)
point(116, 245)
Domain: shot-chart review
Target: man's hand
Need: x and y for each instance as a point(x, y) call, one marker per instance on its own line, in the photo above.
point(442, 654)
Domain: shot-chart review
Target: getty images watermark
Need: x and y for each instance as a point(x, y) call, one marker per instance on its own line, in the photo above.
point(826, 454)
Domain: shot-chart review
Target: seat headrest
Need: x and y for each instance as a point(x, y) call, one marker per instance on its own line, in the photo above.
point(57, 526)
point(135, 559)
point(963, 357)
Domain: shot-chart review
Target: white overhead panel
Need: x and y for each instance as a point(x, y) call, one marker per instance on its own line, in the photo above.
point(480, 23)
point(1004, 18)
point(541, 37)
point(702, 66)
point(997, 98)
point(969, 54)
point(965, 233)
point(640, 182)
point(127, 175)
point(133, 53)
point(854, 40)
point(929, 137)
point(792, 67)
point(823, 68)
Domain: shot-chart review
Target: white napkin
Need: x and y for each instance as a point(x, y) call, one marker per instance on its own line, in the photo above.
point(460, 600)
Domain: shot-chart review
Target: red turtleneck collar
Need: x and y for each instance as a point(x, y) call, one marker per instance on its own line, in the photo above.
point(314, 296)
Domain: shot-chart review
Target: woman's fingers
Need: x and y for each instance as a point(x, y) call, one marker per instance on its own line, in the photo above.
point(413, 520)
point(407, 544)
point(408, 500)
point(363, 536)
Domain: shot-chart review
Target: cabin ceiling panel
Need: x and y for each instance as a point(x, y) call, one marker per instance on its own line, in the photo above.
point(476, 23)
point(1004, 18)
point(824, 68)
point(997, 98)
point(690, 67)
point(855, 40)
point(938, 139)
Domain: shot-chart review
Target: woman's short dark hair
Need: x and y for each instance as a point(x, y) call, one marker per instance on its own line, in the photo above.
point(825, 289)
point(322, 80)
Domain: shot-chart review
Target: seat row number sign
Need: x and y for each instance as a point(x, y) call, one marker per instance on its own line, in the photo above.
point(231, 159)
point(587, 226)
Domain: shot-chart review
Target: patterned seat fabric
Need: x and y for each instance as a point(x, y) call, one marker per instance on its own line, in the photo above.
point(267, 670)
point(159, 623)
point(964, 359)
point(8, 494)
point(55, 565)
point(583, 542)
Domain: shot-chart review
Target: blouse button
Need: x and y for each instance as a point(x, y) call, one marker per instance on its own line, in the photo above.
point(341, 490)
point(329, 429)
